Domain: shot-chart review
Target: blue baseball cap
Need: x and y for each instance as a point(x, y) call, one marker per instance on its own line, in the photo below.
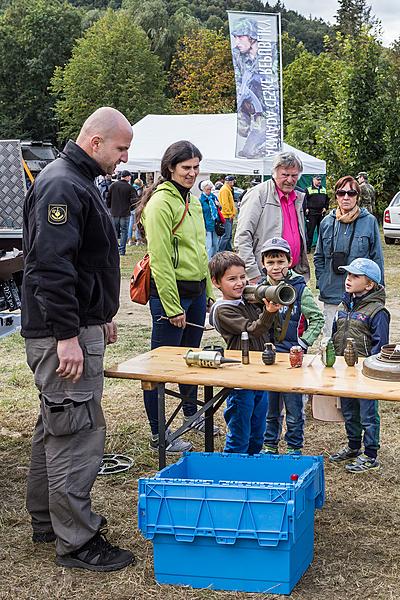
point(278, 244)
point(364, 266)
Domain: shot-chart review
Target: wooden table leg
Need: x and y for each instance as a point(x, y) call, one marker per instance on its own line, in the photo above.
point(161, 425)
point(209, 421)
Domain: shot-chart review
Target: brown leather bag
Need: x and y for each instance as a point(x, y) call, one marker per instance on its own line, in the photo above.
point(139, 287)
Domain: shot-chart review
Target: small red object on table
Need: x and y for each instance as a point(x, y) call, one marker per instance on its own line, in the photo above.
point(296, 354)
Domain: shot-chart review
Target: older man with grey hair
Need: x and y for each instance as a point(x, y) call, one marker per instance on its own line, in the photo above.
point(273, 209)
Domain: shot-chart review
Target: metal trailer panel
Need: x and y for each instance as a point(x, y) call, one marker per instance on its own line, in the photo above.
point(12, 184)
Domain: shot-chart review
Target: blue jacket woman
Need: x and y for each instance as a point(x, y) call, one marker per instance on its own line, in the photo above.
point(346, 233)
point(208, 203)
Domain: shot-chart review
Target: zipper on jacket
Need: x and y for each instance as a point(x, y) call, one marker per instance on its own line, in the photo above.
point(175, 245)
point(365, 346)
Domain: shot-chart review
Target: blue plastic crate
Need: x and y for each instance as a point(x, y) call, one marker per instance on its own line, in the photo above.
point(233, 521)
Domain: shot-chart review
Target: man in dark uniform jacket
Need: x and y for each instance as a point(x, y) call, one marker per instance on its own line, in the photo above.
point(70, 295)
point(316, 203)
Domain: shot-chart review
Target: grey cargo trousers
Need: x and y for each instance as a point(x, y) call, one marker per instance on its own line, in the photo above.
point(68, 441)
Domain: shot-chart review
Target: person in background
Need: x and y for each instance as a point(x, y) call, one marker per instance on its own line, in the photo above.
point(316, 203)
point(120, 201)
point(362, 316)
point(346, 233)
point(180, 285)
point(210, 214)
point(231, 315)
point(368, 194)
point(273, 209)
point(104, 186)
point(70, 295)
point(134, 237)
point(228, 208)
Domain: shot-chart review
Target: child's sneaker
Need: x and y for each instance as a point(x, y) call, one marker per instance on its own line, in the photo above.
point(344, 454)
point(294, 451)
point(270, 449)
point(363, 463)
point(198, 425)
point(177, 445)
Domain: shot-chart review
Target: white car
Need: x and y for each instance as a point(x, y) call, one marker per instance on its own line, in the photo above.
point(391, 220)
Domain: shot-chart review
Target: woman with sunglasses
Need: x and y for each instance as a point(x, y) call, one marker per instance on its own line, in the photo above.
point(346, 233)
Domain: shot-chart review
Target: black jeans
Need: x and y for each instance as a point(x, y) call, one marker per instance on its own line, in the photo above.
point(313, 221)
point(165, 334)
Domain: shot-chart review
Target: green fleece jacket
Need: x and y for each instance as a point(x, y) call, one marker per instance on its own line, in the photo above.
point(175, 257)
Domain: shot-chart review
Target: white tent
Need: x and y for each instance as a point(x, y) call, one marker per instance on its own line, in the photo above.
point(214, 135)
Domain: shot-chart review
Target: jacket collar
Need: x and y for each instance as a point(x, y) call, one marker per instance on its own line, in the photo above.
point(87, 165)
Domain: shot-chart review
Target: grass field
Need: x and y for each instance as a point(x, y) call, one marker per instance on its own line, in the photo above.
point(357, 546)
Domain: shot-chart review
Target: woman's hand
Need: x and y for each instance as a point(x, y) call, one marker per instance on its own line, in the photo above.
point(179, 321)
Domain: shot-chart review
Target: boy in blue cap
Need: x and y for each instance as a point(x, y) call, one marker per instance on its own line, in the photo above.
point(361, 315)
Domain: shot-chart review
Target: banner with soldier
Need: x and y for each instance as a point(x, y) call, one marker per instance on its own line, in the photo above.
point(256, 62)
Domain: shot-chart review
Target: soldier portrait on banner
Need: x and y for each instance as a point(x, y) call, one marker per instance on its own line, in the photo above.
point(255, 55)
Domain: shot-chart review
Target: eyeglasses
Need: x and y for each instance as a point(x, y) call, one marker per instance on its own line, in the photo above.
point(350, 193)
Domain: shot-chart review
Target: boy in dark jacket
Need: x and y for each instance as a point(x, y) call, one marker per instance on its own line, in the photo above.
point(304, 323)
point(361, 315)
point(231, 315)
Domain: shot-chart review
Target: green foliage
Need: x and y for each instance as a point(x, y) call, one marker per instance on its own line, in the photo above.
point(35, 36)
point(111, 65)
point(309, 83)
point(291, 48)
point(352, 16)
point(310, 32)
point(162, 25)
point(201, 74)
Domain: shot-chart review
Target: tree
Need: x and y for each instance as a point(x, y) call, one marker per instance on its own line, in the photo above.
point(162, 24)
point(291, 48)
point(352, 15)
point(201, 76)
point(35, 36)
point(111, 65)
point(309, 84)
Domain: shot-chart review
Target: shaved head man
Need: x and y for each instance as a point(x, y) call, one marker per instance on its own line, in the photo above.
point(70, 296)
point(106, 136)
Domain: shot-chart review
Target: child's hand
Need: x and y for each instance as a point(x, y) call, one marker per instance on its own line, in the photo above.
point(271, 307)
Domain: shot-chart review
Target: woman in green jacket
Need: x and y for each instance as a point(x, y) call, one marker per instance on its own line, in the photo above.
point(180, 282)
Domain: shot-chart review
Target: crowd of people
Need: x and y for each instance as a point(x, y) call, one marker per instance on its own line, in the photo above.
point(71, 295)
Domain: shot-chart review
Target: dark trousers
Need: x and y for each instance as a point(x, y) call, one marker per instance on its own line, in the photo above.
point(165, 334)
point(225, 242)
point(362, 416)
point(313, 221)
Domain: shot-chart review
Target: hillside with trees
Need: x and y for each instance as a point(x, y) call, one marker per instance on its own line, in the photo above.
point(60, 60)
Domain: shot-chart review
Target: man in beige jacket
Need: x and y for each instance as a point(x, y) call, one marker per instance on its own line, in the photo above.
point(273, 209)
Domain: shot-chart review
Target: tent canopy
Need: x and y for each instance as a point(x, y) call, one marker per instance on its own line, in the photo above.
point(214, 135)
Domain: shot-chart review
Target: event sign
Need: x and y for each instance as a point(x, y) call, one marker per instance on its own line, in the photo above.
point(257, 65)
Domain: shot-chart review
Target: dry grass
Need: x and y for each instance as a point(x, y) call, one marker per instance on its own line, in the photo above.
point(356, 546)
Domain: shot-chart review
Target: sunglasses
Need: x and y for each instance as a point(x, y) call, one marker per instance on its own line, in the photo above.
point(350, 193)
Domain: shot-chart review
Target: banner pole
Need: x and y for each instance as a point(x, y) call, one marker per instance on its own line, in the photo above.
point(281, 73)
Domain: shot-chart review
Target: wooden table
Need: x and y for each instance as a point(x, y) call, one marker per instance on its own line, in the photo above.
point(166, 365)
